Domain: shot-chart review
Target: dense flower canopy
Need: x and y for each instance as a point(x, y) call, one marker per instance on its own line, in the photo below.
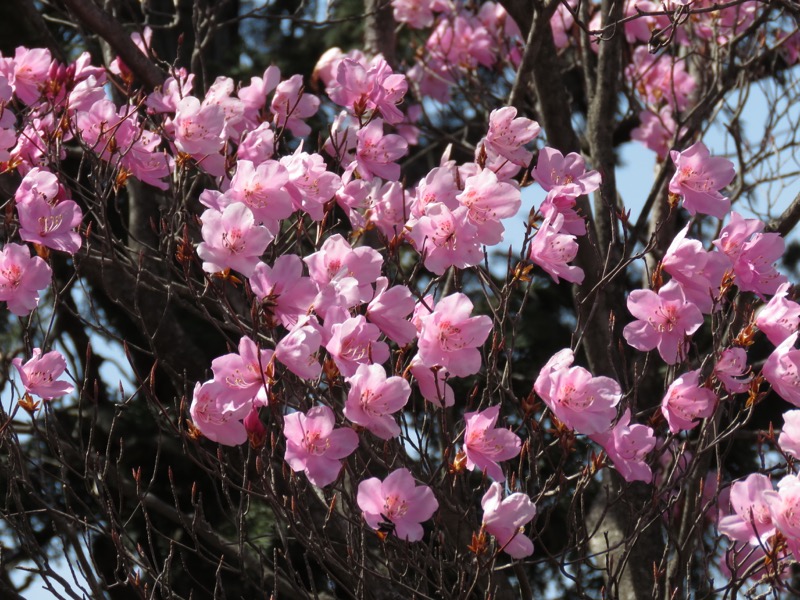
point(334, 330)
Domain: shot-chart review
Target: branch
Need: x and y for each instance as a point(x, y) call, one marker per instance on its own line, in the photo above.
point(108, 28)
point(787, 221)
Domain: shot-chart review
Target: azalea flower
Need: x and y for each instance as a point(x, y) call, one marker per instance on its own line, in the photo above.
point(397, 502)
point(314, 446)
point(486, 445)
point(39, 376)
point(505, 519)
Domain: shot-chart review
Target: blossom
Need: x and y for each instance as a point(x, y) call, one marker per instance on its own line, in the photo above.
point(753, 254)
point(397, 501)
point(285, 295)
point(664, 320)
point(290, 106)
point(627, 446)
point(449, 337)
point(373, 398)
point(22, 277)
point(752, 519)
point(697, 271)
point(298, 349)
point(374, 89)
point(432, 383)
point(699, 177)
point(789, 439)
point(261, 189)
point(446, 238)
point(782, 370)
point(508, 135)
point(580, 401)
point(780, 317)
point(310, 184)
point(732, 370)
point(686, 401)
point(232, 240)
point(486, 445)
point(564, 175)
point(219, 424)
point(39, 376)
point(245, 376)
point(487, 201)
point(389, 310)
point(50, 225)
point(505, 519)
point(314, 446)
point(377, 152)
point(783, 507)
point(198, 128)
point(552, 250)
point(355, 342)
point(656, 131)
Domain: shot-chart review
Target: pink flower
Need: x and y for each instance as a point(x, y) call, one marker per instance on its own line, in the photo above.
point(254, 96)
point(586, 404)
point(439, 185)
point(485, 445)
point(505, 519)
point(487, 201)
point(660, 79)
point(417, 14)
point(314, 446)
point(261, 189)
point(552, 250)
point(39, 376)
point(573, 223)
point(21, 278)
point(446, 238)
point(219, 424)
point(311, 185)
point(665, 320)
point(508, 135)
point(290, 106)
point(232, 240)
point(299, 349)
point(257, 145)
point(449, 337)
point(337, 257)
point(780, 318)
point(389, 310)
point(752, 519)
point(628, 446)
point(789, 440)
point(29, 73)
point(198, 128)
point(245, 376)
point(732, 370)
point(373, 399)
point(50, 225)
point(753, 254)
point(656, 131)
point(784, 507)
point(686, 401)
point(285, 295)
point(397, 501)
point(698, 271)
point(699, 177)
point(374, 90)
point(782, 370)
point(564, 175)
point(432, 383)
point(355, 342)
point(376, 152)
